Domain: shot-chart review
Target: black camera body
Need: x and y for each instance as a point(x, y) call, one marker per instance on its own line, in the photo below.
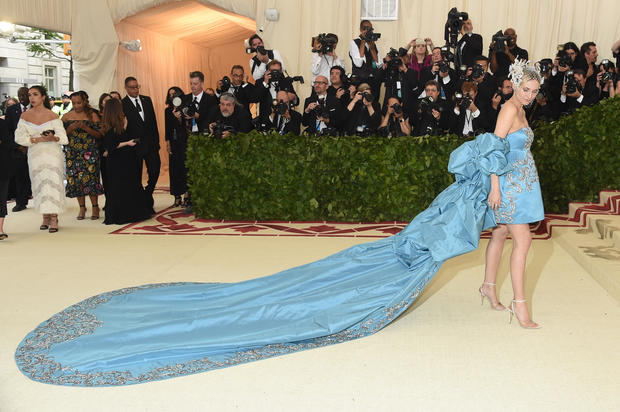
point(225, 84)
point(327, 42)
point(545, 66)
point(219, 128)
point(259, 49)
point(368, 97)
point(188, 108)
point(398, 109)
point(564, 59)
point(279, 107)
point(453, 26)
point(443, 66)
point(446, 54)
point(463, 101)
point(572, 84)
point(477, 71)
point(394, 63)
point(428, 104)
point(500, 42)
point(371, 35)
point(276, 76)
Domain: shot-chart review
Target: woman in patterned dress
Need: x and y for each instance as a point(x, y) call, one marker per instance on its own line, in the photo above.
point(83, 127)
point(42, 132)
point(515, 197)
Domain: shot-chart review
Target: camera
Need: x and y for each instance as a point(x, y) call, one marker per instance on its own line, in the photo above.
point(398, 109)
point(219, 128)
point(500, 41)
point(446, 54)
point(321, 109)
point(327, 42)
point(607, 76)
point(225, 84)
point(545, 66)
point(572, 85)
point(394, 63)
point(351, 80)
point(608, 72)
point(368, 97)
point(564, 59)
point(371, 35)
point(453, 26)
point(477, 71)
point(276, 76)
point(443, 66)
point(463, 101)
point(428, 104)
point(279, 107)
point(259, 49)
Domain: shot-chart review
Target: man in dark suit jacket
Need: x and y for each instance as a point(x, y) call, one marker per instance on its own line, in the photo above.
point(332, 109)
point(142, 124)
point(288, 122)
point(203, 102)
point(19, 160)
point(468, 47)
point(231, 114)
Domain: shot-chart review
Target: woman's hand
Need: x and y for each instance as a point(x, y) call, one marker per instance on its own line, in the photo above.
point(495, 198)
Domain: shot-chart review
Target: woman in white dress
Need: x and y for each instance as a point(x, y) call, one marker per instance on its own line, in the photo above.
point(42, 132)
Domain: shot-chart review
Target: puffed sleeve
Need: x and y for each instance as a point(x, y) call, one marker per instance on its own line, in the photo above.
point(483, 156)
point(59, 131)
point(22, 134)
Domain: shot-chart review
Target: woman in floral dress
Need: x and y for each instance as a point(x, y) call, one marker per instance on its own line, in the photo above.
point(83, 126)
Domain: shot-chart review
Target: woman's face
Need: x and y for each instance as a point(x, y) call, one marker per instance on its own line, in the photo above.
point(170, 92)
point(420, 48)
point(526, 93)
point(78, 104)
point(35, 97)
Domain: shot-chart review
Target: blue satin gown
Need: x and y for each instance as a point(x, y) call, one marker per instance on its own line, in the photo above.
point(160, 331)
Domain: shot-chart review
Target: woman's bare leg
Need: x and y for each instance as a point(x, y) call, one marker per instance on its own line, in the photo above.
point(493, 257)
point(522, 239)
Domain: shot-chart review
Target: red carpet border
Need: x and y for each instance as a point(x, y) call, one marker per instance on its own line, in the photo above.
point(172, 221)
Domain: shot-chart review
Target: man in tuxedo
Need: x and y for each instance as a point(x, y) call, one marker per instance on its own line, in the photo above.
point(242, 90)
point(586, 93)
point(501, 61)
point(468, 47)
point(330, 114)
point(431, 118)
point(202, 102)
point(446, 78)
point(231, 115)
point(467, 116)
point(142, 125)
point(19, 159)
point(285, 122)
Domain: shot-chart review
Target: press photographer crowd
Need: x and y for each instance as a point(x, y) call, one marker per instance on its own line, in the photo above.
point(412, 90)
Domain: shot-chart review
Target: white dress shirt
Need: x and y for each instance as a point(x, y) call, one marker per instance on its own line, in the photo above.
point(137, 99)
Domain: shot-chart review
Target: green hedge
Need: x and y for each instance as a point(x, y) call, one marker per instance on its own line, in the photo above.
point(271, 177)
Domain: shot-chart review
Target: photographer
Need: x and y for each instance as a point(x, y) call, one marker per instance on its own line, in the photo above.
point(339, 85)
point(431, 116)
point(395, 122)
point(545, 107)
point(365, 56)
point(485, 81)
point(441, 72)
point(229, 117)
point(363, 112)
point(575, 92)
point(176, 145)
point(503, 51)
point(590, 54)
point(322, 111)
point(468, 47)
point(502, 94)
point(282, 118)
point(606, 79)
point(324, 55)
point(420, 57)
point(400, 81)
point(242, 90)
point(197, 104)
point(262, 57)
point(467, 118)
point(265, 91)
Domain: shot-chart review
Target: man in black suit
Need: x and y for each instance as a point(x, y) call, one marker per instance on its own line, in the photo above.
point(468, 47)
point(142, 124)
point(501, 61)
point(203, 103)
point(19, 159)
point(266, 89)
point(242, 90)
point(330, 114)
point(446, 78)
point(585, 94)
point(283, 119)
point(468, 117)
point(229, 117)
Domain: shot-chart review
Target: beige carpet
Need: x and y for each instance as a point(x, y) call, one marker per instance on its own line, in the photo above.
point(446, 353)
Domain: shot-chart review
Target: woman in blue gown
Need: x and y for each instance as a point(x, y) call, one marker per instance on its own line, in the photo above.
point(159, 331)
point(515, 197)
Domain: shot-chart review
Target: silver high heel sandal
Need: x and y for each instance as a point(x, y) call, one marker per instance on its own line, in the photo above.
point(499, 306)
point(511, 312)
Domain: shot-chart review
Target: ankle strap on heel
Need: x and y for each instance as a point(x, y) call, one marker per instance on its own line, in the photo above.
point(488, 283)
point(519, 300)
